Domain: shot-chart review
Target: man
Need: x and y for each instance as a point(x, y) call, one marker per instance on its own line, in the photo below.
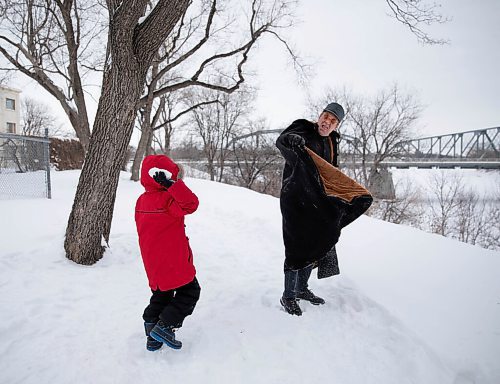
point(317, 201)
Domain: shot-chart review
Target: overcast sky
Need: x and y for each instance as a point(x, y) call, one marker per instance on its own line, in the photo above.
point(356, 44)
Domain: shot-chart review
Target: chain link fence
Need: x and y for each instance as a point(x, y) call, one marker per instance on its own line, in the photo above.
point(24, 166)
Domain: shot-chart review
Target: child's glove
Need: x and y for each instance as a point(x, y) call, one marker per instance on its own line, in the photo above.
point(296, 140)
point(161, 179)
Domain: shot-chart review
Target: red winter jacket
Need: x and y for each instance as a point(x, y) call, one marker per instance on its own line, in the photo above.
point(159, 216)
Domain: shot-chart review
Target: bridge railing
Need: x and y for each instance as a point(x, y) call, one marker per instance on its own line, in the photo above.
point(478, 148)
point(480, 144)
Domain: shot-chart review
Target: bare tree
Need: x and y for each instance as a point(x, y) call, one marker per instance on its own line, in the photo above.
point(165, 128)
point(491, 238)
point(258, 163)
point(206, 38)
point(36, 118)
point(470, 218)
point(168, 109)
point(134, 40)
point(163, 131)
point(383, 122)
point(376, 124)
point(450, 210)
point(444, 202)
point(51, 42)
point(464, 214)
point(406, 208)
point(216, 124)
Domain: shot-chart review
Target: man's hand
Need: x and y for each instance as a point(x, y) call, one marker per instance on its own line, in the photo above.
point(296, 140)
point(161, 179)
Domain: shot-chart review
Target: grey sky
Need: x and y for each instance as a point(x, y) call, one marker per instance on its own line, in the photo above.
point(356, 44)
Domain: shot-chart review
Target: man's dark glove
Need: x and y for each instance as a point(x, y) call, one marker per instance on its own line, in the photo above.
point(296, 140)
point(161, 179)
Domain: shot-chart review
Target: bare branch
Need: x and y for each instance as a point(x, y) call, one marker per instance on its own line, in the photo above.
point(197, 46)
point(414, 13)
point(184, 112)
point(261, 20)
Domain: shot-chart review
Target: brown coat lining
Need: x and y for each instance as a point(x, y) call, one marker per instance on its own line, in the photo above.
point(336, 183)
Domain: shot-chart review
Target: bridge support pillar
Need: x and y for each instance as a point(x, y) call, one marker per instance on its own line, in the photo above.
point(381, 184)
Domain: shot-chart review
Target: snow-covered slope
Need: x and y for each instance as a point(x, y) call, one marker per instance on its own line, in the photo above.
point(408, 307)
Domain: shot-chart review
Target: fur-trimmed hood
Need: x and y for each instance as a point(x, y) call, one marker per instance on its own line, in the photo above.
point(153, 163)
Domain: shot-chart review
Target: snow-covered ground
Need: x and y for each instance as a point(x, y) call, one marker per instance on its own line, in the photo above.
point(408, 307)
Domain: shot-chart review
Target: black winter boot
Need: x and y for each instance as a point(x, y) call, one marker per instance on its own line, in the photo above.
point(151, 344)
point(311, 297)
point(303, 291)
point(291, 306)
point(165, 334)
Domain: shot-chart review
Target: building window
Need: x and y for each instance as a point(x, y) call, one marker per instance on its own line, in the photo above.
point(10, 104)
point(11, 127)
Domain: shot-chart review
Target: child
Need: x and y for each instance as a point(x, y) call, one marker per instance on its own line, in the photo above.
point(167, 257)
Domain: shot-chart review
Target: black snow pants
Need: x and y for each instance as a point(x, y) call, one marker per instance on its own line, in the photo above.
point(173, 306)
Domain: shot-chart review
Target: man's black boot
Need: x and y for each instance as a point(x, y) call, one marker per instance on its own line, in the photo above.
point(303, 291)
point(291, 306)
point(311, 297)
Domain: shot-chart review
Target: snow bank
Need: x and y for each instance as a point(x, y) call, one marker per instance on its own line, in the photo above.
point(408, 307)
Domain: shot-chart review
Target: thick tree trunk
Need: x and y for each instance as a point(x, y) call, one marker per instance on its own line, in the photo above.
point(90, 219)
point(132, 46)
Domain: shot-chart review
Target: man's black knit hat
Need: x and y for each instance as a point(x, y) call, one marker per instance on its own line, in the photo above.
point(335, 109)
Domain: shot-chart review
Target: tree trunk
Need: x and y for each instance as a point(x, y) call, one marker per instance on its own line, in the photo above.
point(80, 124)
point(132, 47)
point(146, 129)
point(168, 137)
point(144, 143)
point(90, 219)
point(210, 168)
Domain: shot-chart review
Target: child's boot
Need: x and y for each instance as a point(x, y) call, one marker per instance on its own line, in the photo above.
point(151, 344)
point(165, 334)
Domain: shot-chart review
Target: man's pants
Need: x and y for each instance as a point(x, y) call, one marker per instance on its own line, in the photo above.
point(296, 281)
point(173, 306)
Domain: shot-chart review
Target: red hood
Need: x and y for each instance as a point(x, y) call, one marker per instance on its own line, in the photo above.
point(157, 161)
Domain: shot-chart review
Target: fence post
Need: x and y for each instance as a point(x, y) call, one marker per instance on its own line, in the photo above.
point(47, 164)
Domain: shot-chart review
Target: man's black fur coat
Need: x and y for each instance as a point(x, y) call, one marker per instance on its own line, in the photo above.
point(313, 214)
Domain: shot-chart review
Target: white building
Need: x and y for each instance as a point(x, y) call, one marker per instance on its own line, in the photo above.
point(10, 110)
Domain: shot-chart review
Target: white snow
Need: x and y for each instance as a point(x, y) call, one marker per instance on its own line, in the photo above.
point(408, 307)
